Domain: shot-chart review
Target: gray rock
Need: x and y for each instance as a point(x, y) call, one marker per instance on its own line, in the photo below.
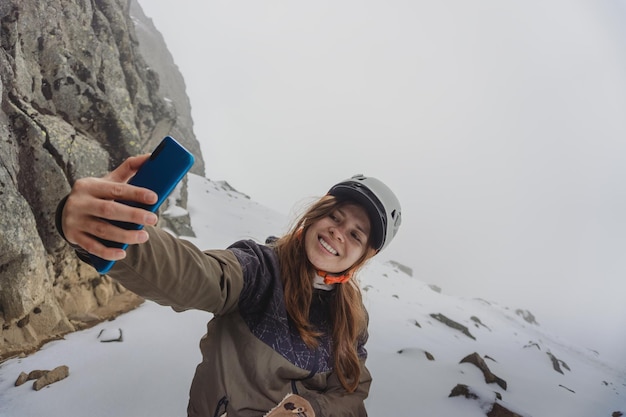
point(489, 376)
point(21, 380)
point(32, 375)
point(57, 374)
point(453, 324)
point(77, 98)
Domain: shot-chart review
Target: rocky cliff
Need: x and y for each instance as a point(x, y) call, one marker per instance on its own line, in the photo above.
point(78, 97)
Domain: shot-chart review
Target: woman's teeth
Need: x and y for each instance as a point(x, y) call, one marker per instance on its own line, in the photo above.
point(327, 247)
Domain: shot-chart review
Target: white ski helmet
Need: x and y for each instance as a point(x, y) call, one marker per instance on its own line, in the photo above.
point(379, 201)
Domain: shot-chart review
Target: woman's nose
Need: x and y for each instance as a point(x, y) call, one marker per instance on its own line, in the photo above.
point(336, 233)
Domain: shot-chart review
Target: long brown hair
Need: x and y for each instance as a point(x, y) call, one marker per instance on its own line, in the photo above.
point(349, 318)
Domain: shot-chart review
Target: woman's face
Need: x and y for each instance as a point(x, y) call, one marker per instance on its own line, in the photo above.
point(335, 242)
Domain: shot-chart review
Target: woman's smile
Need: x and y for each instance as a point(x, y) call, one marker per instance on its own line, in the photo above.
point(327, 246)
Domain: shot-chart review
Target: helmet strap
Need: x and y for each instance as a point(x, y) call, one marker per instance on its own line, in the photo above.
point(330, 279)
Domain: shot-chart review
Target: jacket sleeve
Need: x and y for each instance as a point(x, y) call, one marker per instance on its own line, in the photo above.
point(174, 272)
point(336, 401)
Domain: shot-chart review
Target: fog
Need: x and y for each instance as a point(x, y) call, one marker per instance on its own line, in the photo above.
point(500, 126)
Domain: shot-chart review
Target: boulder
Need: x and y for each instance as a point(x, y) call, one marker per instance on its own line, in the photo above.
point(50, 377)
point(489, 376)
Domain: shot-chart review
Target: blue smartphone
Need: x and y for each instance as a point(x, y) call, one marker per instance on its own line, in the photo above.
point(167, 165)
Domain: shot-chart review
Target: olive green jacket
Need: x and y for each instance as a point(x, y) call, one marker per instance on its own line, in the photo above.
point(252, 357)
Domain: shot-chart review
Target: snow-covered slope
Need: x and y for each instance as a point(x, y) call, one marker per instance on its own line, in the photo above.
point(418, 337)
point(403, 329)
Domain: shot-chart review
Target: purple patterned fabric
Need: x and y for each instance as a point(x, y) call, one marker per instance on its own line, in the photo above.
point(262, 307)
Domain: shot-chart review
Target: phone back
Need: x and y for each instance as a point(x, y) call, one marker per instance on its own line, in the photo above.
point(167, 165)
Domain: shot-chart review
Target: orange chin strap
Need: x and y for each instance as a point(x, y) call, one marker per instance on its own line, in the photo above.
point(330, 279)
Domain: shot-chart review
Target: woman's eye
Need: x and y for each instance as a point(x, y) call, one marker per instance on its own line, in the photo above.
point(356, 237)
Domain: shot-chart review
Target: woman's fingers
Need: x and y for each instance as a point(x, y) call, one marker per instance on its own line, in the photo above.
point(96, 197)
point(127, 169)
point(114, 210)
point(102, 229)
point(86, 232)
point(95, 247)
point(86, 214)
point(93, 202)
point(106, 189)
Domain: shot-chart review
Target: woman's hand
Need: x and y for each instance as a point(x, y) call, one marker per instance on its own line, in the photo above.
point(91, 201)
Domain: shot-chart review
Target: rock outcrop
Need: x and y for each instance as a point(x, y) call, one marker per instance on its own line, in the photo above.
point(489, 401)
point(43, 378)
point(479, 362)
point(453, 324)
point(77, 98)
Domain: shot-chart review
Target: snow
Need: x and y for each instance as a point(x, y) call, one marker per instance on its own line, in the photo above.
point(148, 373)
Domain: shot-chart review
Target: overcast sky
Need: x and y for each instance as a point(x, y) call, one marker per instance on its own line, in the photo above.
point(500, 125)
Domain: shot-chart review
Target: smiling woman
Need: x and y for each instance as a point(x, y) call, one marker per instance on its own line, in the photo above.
point(289, 326)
